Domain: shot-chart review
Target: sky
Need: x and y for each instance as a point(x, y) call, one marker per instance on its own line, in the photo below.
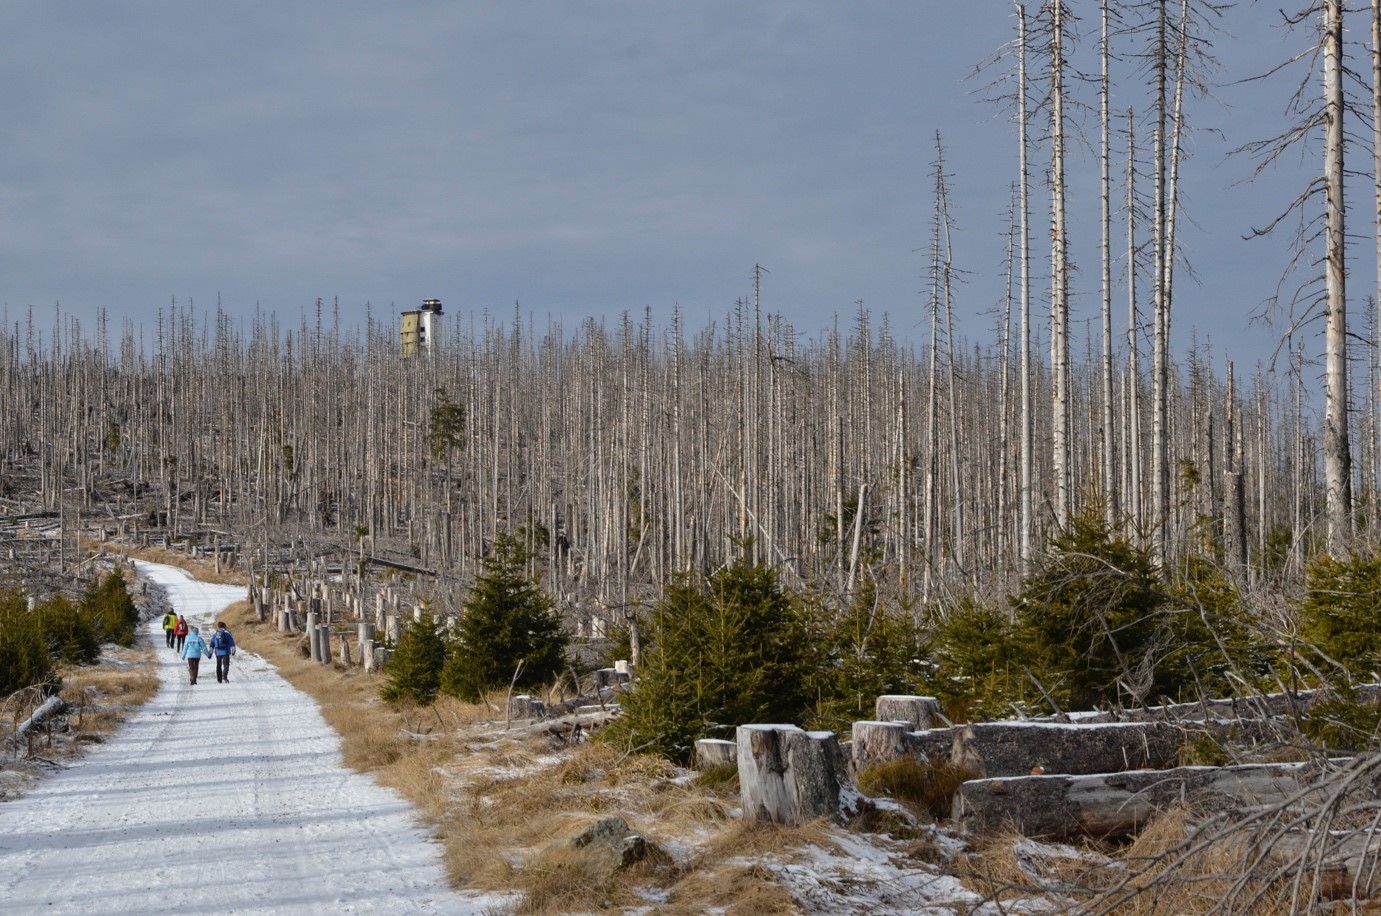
point(584, 161)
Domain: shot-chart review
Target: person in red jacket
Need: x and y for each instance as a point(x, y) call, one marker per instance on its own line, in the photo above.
point(180, 632)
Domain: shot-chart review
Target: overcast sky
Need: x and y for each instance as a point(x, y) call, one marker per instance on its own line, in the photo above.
point(581, 159)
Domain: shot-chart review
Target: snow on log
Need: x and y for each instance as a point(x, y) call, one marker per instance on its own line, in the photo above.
point(50, 707)
point(715, 752)
point(1118, 804)
point(788, 776)
point(918, 712)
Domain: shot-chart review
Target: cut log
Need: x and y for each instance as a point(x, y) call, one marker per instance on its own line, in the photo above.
point(918, 712)
point(715, 752)
point(1347, 862)
point(1111, 805)
point(1018, 748)
point(788, 776)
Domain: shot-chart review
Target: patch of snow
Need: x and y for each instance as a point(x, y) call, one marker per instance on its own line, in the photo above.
point(859, 875)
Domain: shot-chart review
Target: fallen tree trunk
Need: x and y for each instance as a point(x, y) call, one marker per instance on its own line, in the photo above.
point(1119, 804)
point(1019, 748)
point(49, 708)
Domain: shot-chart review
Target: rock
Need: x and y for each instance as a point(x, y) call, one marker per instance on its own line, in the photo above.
point(602, 849)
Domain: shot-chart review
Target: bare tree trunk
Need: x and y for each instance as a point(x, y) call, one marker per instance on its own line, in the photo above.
point(1027, 420)
point(1109, 465)
point(1336, 449)
point(1059, 276)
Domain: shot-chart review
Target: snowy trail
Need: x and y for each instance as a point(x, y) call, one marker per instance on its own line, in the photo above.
point(218, 798)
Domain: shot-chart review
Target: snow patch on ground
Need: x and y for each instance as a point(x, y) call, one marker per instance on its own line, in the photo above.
point(859, 874)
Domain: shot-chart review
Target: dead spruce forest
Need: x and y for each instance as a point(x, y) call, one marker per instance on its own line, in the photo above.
point(625, 451)
point(624, 454)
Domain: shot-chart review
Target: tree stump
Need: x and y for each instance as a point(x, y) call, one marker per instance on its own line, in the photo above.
point(381, 656)
point(876, 743)
point(788, 776)
point(715, 752)
point(918, 712)
point(524, 706)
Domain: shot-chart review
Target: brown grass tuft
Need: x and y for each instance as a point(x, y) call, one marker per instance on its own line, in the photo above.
point(924, 788)
point(734, 889)
point(103, 695)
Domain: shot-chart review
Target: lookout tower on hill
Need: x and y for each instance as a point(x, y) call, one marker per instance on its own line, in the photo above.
point(420, 328)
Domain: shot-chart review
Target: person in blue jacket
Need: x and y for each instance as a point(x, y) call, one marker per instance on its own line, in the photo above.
point(223, 644)
point(193, 650)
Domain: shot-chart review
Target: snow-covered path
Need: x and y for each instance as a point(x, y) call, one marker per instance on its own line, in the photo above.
point(218, 798)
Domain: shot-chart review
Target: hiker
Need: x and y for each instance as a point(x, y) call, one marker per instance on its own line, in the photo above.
point(169, 621)
point(224, 646)
point(193, 650)
point(180, 631)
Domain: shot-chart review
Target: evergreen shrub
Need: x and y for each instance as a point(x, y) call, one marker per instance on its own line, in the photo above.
point(871, 649)
point(25, 659)
point(413, 672)
point(508, 621)
point(1100, 626)
point(720, 652)
point(977, 662)
point(1340, 610)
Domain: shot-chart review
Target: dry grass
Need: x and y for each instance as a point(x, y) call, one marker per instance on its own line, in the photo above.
point(99, 697)
point(733, 889)
point(103, 695)
point(1173, 868)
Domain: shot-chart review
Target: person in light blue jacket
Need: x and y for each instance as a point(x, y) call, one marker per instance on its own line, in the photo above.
point(194, 649)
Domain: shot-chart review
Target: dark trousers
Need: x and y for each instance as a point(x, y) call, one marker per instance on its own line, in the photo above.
point(169, 633)
point(222, 668)
point(192, 665)
point(181, 638)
